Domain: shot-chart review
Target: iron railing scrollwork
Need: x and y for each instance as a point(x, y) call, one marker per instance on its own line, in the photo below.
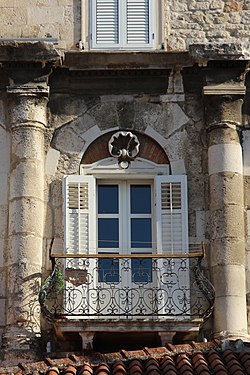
point(127, 287)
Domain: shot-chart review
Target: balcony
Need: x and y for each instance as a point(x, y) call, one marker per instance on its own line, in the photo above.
point(152, 289)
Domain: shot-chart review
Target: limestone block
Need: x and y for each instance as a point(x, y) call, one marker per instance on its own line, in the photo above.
point(4, 151)
point(58, 223)
point(68, 15)
point(233, 6)
point(28, 108)
point(7, 3)
point(199, 5)
point(2, 311)
point(51, 161)
point(201, 224)
point(3, 188)
point(28, 257)
point(106, 114)
point(56, 193)
point(67, 34)
point(233, 280)
point(27, 144)
point(67, 140)
point(41, 30)
point(227, 251)
point(178, 167)
point(2, 249)
point(226, 189)
point(13, 16)
point(37, 3)
point(227, 223)
point(3, 221)
point(11, 31)
point(48, 220)
point(175, 117)
point(231, 316)
point(26, 180)
point(36, 15)
point(23, 213)
point(216, 4)
point(145, 115)
point(225, 158)
point(3, 278)
point(157, 136)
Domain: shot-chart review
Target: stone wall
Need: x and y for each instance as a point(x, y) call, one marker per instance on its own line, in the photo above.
point(206, 21)
point(184, 22)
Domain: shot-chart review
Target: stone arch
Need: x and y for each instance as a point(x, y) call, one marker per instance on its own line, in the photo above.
point(149, 149)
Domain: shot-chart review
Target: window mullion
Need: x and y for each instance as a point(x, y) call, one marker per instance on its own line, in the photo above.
point(122, 23)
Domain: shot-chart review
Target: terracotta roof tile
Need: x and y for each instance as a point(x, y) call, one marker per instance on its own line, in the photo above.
point(245, 361)
point(187, 359)
point(152, 367)
point(119, 368)
point(135, 367)
point(168, 366)
point(86, 369)
point(102, 369)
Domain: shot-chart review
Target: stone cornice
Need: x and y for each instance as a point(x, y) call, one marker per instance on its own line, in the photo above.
point(29, 90)
point(28, 52)
point(224, 89)
point(126, 60)
point(220, 51)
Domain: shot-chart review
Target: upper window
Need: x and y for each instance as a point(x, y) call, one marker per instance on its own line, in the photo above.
point(123, 24)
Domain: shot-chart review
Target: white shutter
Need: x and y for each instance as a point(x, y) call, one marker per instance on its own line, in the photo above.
point(123, 24)
point(172, 214)
point(79, 214)
point(137, 21)
point(106, 21)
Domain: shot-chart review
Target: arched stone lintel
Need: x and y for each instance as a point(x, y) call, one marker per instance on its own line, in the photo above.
point(149, 149)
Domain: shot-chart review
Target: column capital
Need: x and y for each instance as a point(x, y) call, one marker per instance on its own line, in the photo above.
point(224, 89)
point(29, 90)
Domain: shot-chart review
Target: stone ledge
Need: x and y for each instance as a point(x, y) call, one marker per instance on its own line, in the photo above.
point(220, 51)
point(28, 52)
point(126, 60)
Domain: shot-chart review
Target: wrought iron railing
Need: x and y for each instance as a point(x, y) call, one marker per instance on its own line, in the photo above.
point(138, 286)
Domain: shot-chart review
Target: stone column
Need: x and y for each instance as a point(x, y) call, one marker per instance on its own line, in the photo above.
point(223, 117)
point(28, 119)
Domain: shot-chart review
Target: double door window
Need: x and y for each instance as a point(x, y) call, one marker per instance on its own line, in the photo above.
point(125, 226)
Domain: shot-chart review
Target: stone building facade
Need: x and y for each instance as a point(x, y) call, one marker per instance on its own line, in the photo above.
point(172, 110)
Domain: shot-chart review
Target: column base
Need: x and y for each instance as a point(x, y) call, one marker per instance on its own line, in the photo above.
point(20, 346)
point(232, 336)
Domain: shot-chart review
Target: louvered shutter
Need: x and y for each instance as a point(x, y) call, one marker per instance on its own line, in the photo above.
point(137, 22)
point(172, 214)
point(79, 214)
point(123, 24)
point(106, 22)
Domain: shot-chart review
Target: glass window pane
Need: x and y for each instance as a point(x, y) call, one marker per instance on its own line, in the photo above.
point(108, 270)
point(108, 233)
point(140, 199)
point(141, 233)
point(108, 199)
point(141, 270)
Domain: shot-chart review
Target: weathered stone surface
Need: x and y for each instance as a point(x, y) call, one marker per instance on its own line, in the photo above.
point(220, 51)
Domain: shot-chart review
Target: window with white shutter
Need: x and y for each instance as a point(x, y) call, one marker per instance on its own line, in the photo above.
point(92, 223)
point(123, 24)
